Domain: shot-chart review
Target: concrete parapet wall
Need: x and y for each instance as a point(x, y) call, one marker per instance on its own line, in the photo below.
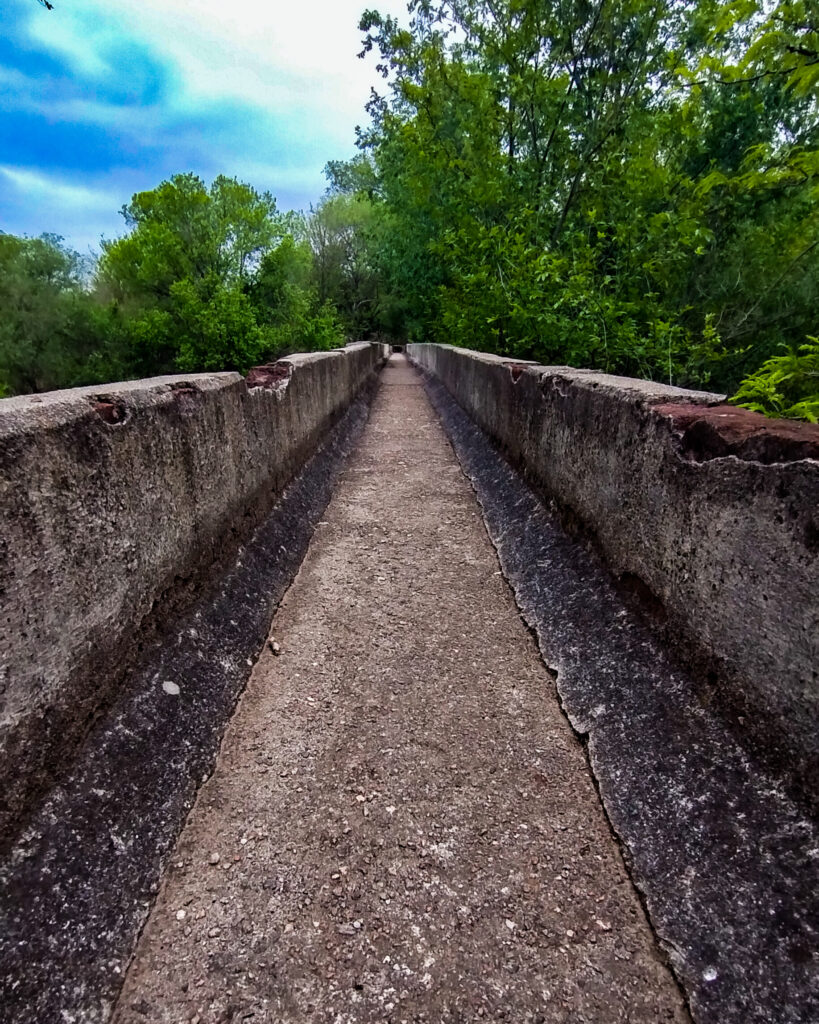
point(117, 503)
point(709, 512)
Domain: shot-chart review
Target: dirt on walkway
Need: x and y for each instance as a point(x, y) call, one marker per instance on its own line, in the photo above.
point(401, 826)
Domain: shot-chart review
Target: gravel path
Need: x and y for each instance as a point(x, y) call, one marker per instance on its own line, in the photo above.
point(401, 825)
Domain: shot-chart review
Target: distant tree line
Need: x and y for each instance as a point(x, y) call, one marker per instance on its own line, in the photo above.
point(207, 278)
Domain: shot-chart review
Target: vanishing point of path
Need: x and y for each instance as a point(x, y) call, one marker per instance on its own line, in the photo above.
point(401, 825)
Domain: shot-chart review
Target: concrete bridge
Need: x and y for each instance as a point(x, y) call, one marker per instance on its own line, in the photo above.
point(409, 687)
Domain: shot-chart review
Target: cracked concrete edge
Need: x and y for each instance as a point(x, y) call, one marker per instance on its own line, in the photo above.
point(709, 513)
point(720, 854)
point(667, 952)
point(78, 885)
point(117, 504)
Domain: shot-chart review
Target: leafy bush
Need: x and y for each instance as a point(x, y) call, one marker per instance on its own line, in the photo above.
point(208, 278)
point(786, 385)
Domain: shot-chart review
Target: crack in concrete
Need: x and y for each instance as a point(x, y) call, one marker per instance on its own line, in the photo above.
point(407, 825)
point(440, 400)
point(718, 852)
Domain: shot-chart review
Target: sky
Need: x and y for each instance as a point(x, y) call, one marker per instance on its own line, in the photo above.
point(101, 99)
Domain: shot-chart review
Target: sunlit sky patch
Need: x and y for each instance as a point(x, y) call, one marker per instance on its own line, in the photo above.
point(100, 100)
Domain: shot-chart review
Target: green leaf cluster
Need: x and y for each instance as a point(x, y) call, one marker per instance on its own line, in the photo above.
point(785, 385)
point(51, 329)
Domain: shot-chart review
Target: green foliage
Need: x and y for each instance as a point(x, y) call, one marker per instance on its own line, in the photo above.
point(51, 333)
point(786, 385)
point(218, 332)
point(288, 303)
point(341, 233)
point(321, 329)
point(184, 230)
point(183, 274)
point(629, 185)
point(207, 278)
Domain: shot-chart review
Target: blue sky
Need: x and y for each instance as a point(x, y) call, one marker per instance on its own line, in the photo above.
point(100, 100)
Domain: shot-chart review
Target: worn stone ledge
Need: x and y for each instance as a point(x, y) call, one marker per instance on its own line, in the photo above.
point(77, 885)
point(117, 504)
point(723, 859)
point(709, 514)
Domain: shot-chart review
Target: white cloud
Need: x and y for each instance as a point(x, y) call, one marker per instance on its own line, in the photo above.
point(284, 58)
point(44, 187)
point(58, 206)
point(14, 79)
point(78, 40)
point(267, 91)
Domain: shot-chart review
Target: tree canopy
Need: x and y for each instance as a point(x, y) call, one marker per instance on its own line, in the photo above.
point(628, 185)
point(206, 278)
point(624, 184)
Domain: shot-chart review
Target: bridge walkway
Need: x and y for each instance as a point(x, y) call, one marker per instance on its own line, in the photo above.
point(401, 825)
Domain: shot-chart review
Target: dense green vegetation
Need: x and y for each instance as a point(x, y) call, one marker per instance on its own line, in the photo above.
point(623, 184)
point(629, 185)
point(205, 279)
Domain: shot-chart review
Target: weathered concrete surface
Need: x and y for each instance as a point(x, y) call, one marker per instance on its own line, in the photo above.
point(116, 503)
point(710, 513)
point(406, 827)
point(725, 859)
point(76, 889)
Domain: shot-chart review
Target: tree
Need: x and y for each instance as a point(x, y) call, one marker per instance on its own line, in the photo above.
point(183, 230)
point(340, 233)
point(623, 184)
point(183, 274)
point(287, 301)
point(50, 329)
point(207, 278)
